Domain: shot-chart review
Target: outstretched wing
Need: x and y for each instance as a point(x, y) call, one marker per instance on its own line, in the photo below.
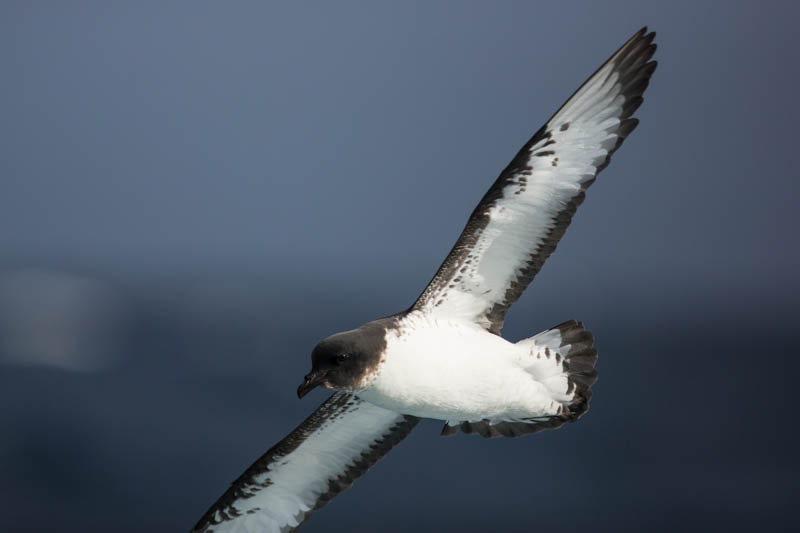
point(323, 456)
point(519, 221)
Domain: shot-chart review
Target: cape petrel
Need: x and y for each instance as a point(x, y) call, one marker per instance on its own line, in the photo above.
point(444, 358)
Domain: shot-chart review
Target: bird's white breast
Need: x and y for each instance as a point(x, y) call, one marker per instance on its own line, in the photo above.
point(450, 370)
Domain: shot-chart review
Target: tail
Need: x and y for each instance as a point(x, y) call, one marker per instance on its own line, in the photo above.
point(562, 358)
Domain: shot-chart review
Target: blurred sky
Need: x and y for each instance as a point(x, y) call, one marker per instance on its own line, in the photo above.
point(193, 193)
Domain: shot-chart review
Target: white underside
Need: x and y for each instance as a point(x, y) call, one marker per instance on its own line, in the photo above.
point(454, 370)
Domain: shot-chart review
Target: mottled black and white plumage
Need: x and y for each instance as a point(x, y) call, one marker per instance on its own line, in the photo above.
point(518, 223)
point(340, 441)
point(444, 358)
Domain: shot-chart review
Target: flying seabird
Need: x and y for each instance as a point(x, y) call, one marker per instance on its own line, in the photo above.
point(444, 358)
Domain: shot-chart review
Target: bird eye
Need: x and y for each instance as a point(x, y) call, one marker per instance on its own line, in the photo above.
point(341, 357)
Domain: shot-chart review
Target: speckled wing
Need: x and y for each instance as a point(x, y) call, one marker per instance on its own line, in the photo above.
point(520, 220)
point(323, 456)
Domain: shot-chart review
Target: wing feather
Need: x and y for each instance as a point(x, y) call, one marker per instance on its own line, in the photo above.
point(520, 220)
point(323, 456)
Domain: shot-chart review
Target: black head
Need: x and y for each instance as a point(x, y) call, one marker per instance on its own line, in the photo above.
point(343, 361)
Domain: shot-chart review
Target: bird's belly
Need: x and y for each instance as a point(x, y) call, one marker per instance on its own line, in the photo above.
point(450, 372)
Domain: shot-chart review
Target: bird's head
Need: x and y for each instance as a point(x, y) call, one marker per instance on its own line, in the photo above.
point(342, 362)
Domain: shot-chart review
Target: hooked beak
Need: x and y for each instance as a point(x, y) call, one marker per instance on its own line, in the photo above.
point(312, 381)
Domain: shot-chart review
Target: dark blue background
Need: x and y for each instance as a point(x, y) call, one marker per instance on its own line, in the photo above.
point(192, 194)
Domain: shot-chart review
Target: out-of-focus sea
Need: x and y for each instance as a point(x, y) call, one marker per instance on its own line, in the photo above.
point(166, 392)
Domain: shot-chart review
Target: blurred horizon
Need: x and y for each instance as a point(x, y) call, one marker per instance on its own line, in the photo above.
point(194, 194)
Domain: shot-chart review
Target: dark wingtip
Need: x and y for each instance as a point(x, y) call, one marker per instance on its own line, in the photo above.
point(643, 32)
